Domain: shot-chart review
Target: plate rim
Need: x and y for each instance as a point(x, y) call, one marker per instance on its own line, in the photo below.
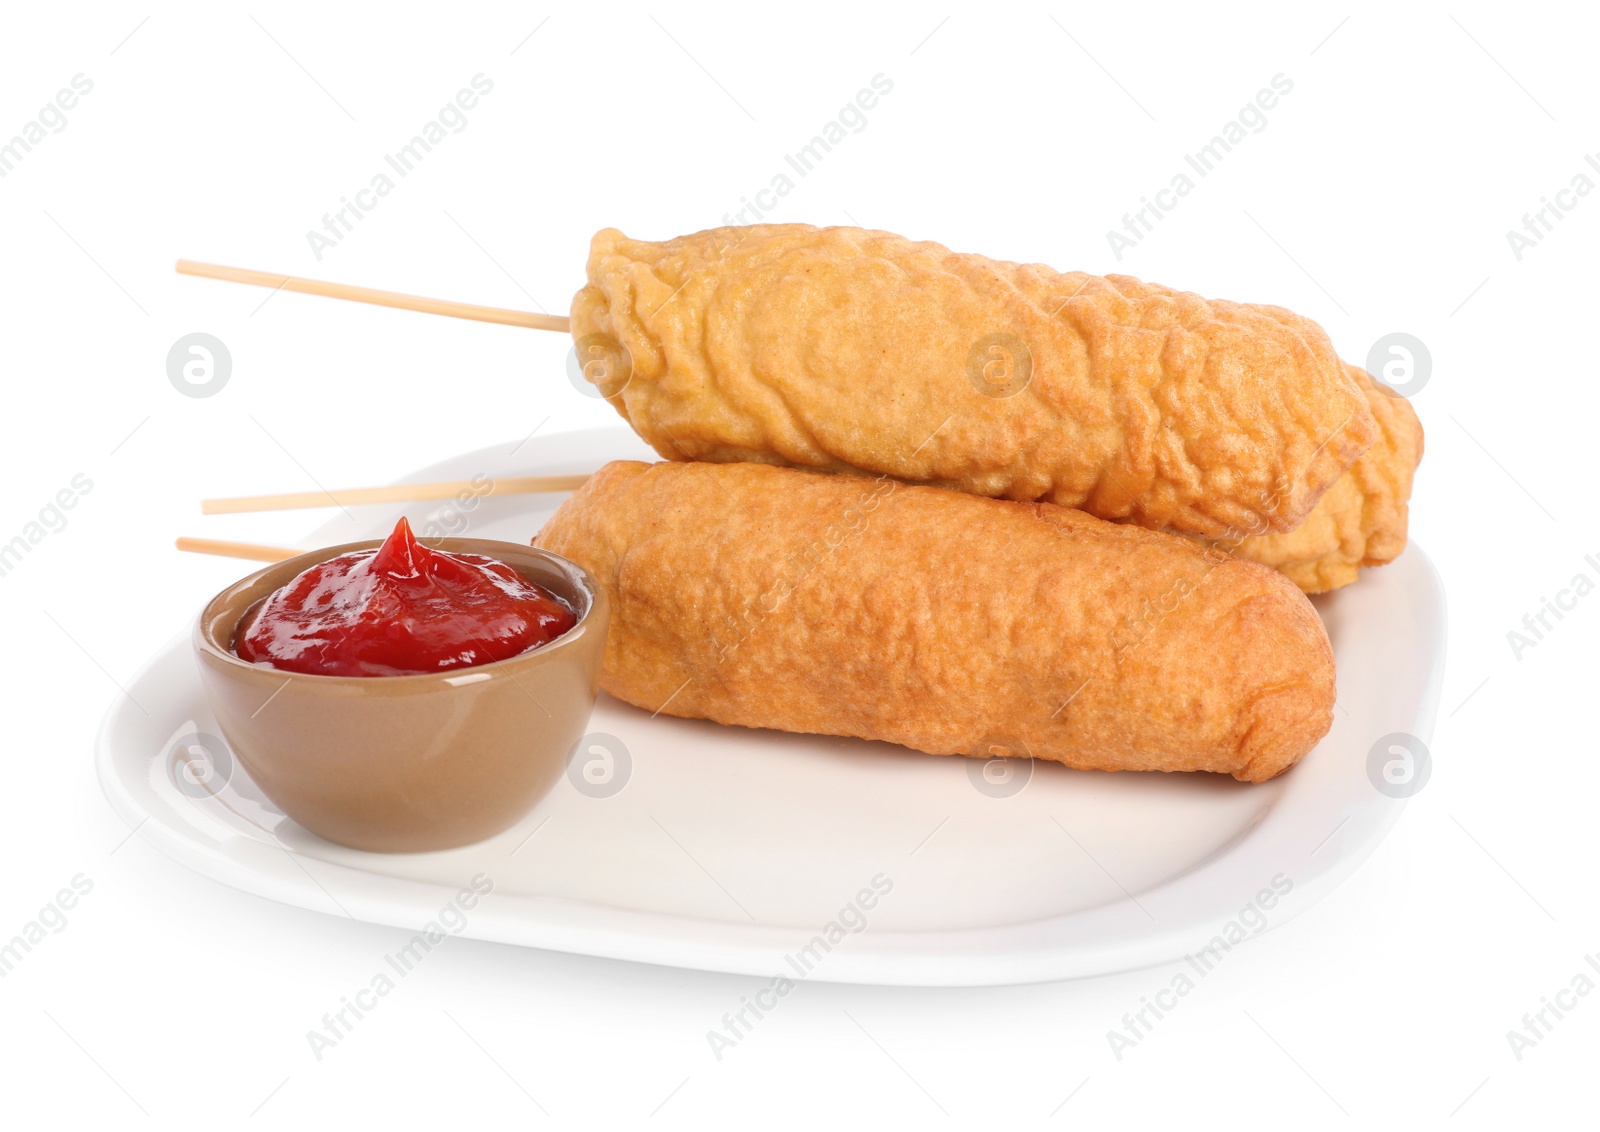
point(928, 957)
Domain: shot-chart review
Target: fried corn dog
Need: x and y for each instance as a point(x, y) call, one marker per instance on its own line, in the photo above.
point(1361, 521)
point(768, 597)
point(846, 349)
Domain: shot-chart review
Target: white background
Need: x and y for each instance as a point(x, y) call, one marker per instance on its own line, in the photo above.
point(1376, 199)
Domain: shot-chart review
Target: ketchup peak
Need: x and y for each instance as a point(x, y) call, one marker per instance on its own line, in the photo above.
point(399, 610)
point(398, 555)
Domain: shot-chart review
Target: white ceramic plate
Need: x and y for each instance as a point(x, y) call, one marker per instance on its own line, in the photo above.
point(734, 850)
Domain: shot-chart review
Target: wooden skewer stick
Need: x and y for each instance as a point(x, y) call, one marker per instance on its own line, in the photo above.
point(394, 493)
point(253, 551)
point(380, 298)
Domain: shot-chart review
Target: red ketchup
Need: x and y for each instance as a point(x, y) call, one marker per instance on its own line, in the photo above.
point(400, 610)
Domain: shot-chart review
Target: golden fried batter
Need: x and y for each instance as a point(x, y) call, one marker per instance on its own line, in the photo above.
point(768, 597)
point(846, 349)
point(1361, 521)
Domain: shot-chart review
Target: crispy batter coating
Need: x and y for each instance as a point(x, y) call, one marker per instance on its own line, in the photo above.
point(847, 349)
point(1361, 521)
point(763, 596)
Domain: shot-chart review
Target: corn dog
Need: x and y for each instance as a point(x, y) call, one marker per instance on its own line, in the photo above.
point(845, 349)
point(1361, 521)
point(763, 596)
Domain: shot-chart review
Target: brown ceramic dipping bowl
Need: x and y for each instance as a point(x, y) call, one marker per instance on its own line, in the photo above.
point(408, 763)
